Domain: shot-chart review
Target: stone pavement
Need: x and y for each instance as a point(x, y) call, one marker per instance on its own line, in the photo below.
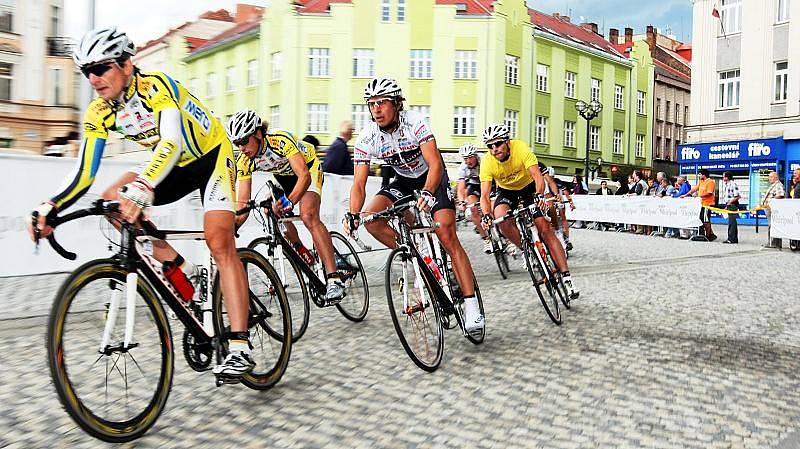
point(673, 344)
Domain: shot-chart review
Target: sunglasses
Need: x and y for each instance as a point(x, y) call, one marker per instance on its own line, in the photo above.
point(96, 69)
point(377, 103)
point(242, 142)
point(497, 144)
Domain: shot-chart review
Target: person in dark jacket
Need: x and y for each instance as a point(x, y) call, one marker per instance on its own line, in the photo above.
point(337, 158)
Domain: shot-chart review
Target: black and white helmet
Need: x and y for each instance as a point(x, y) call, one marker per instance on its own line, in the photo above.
point(101, 45)
point(494, 132)
point(467, 150)
point(382, 87)
point(243, 124)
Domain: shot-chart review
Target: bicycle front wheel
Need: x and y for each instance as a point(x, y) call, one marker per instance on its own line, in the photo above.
point(355, 304)
point(415, 313)
point(500, 255)
point(269, 321)
point(542, 280)
point(117, 392)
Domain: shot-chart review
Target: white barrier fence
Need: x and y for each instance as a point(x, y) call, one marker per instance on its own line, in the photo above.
point(785, 219)
point(639, 210)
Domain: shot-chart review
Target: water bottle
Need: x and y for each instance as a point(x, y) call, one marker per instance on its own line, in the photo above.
point(178, 279)
point(433, 266)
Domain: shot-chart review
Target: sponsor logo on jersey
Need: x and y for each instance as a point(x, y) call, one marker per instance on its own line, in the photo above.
point(197, 113)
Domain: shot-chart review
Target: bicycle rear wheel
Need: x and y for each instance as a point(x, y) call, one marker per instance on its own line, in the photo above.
point(415, 313)
point(555, 279)
point(294, 284)
point(115, 393)
point(269, 321)
point(355, 304)
point(542, 280)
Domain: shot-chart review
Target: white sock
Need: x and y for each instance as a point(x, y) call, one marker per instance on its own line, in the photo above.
point(187, 268)
point(471, 303)
point(239, 345)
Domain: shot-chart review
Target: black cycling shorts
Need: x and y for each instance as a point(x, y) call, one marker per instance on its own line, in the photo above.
point(401, 187)
point(513, 198)
point(474, 189)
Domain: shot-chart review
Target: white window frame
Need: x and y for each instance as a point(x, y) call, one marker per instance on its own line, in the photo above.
point(275, 116)
point(781, 82)
point(252, 73)
point(594, 138)
point(363, 62)
point(729, 89)
point(194, 86)
point(512, 70)
point(782, 11)
point(595, 92)
point(619, 97)
point(542, 78)
point(230, 79)
point(640, 145)
point(466, 65)
point(424, 110)
point(731, 16)
point(360, 116)
point(57, 81)
point(401, 11)
point(464, 121)
point(617, 141)
point(211, 84)
point(277, 65)
point(569, 84)
point(317, 117)
point(640, 102)
point(541, 129)
point(511, 119)
point(569, 134)
point(421, 64)
point(319, 62)
point(386, 10)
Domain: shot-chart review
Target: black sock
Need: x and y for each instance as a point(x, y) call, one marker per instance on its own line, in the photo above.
point(565, 273)
point(179, 260)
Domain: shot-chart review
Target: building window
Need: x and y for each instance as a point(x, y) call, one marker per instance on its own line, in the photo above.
point(658, 150)
point(569, 84)
point(230, 79)
point(211, 84)
point(729, 89)
point(194, 84)
point(277, 65)
point(686, 114)
point(731, 17)
point(640, 145)
point(318, 62)
point(510, 119)
point(421, 64)
point(360, 117)
point(569, 134)
point(252, 73)
point(783, 11)
point(617, 141)
point(317, 118)
point(594, 138)
point(658, 109)
point(542, 77)
point(677, 114)
point(512, 69)
point(640, 97)
point(275, 117)
point(666, 111)
point(55, 16)
point(541, 129)
point(7, 15)
point(464, 121)
point(781, 78)
point(595, 94)
point(57, 81)
point(619, 94)
point(466, 65)
point(401, 10)
point(386, 10)
point(363, 63)
point(424, 111)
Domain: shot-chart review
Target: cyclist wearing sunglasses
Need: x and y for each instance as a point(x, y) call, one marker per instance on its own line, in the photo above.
point(190, 152)
point(512, 165)
point(405, 142)
point(296, 167)
point(468, 189)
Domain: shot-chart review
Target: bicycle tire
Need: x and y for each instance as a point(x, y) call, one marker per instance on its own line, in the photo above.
point(297, 296)
point(535, 269)
point(499, 255)
point(59, 360)
point(453, 281)
point(361, 306)
point(261, 298)
point(420, 319)
point(556, 279)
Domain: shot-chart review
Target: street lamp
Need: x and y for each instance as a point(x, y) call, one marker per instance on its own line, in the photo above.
point(588, 111)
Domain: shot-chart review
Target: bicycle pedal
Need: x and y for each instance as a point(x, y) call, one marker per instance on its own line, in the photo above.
point(222, 379)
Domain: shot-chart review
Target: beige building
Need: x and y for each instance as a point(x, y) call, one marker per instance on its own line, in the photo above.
point(38, 80)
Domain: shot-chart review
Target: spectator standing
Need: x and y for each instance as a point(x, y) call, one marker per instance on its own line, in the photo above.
point(730, 198)
point(604, 190)
point(705, 190)
point(578, 189)
point(623, 186)
point(794, 193)
point(775, 191)
point(337, 159)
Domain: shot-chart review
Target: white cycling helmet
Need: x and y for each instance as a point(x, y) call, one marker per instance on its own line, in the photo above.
point(467, 150)
point(495, 132)
point(101, 45)
point(382, 87)
point(243, 124)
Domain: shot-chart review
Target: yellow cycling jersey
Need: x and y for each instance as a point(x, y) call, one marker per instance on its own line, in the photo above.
point(277, 147)
point(513, 174)
point(156, 112)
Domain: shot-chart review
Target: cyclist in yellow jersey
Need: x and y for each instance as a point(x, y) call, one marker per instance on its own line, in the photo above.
point(297, 169)
point(190, 152)
point(514, 168)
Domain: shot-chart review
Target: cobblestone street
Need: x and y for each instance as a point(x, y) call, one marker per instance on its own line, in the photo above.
point(672, 344)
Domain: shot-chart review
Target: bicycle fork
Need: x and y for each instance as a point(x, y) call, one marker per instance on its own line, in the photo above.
point(131, 281)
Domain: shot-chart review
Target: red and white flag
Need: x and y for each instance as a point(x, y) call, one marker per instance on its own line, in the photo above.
point(715, 13)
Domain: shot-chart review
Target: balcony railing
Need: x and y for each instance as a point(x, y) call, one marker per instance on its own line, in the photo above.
point(59, 46)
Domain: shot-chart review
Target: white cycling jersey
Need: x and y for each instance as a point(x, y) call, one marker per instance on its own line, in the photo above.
point(469, 175)
point(399, 149)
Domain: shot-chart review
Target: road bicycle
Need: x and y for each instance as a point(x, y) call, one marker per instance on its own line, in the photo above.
point(109, 342)
point(421, 288)
point(500, 245)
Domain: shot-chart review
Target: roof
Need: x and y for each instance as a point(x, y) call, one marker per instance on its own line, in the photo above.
point(221, 15)
point(228, 35)
point(195, 42)
point(561, 27)
point(671, 72)
point(676, 56)
point(624, 48)
point(317, 6)
point(472, 7)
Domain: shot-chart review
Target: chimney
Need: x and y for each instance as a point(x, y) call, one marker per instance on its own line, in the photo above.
point(613, 35)
point(590, 26)
point(628, 35)
point(651, 36)
point(565, 19)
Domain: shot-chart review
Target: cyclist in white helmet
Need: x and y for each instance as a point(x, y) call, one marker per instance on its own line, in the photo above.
point(405, 142)
point(296, 167)
point(156, 111)
point(468, 189)
point(512, 165)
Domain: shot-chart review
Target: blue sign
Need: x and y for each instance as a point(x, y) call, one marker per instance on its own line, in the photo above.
point(719, 166)
point(723, 153)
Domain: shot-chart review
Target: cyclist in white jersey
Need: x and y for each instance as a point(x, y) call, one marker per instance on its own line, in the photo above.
point(468, 189)
point(404, 141)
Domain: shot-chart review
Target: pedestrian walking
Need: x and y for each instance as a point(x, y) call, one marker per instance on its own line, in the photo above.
point(730, 198)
